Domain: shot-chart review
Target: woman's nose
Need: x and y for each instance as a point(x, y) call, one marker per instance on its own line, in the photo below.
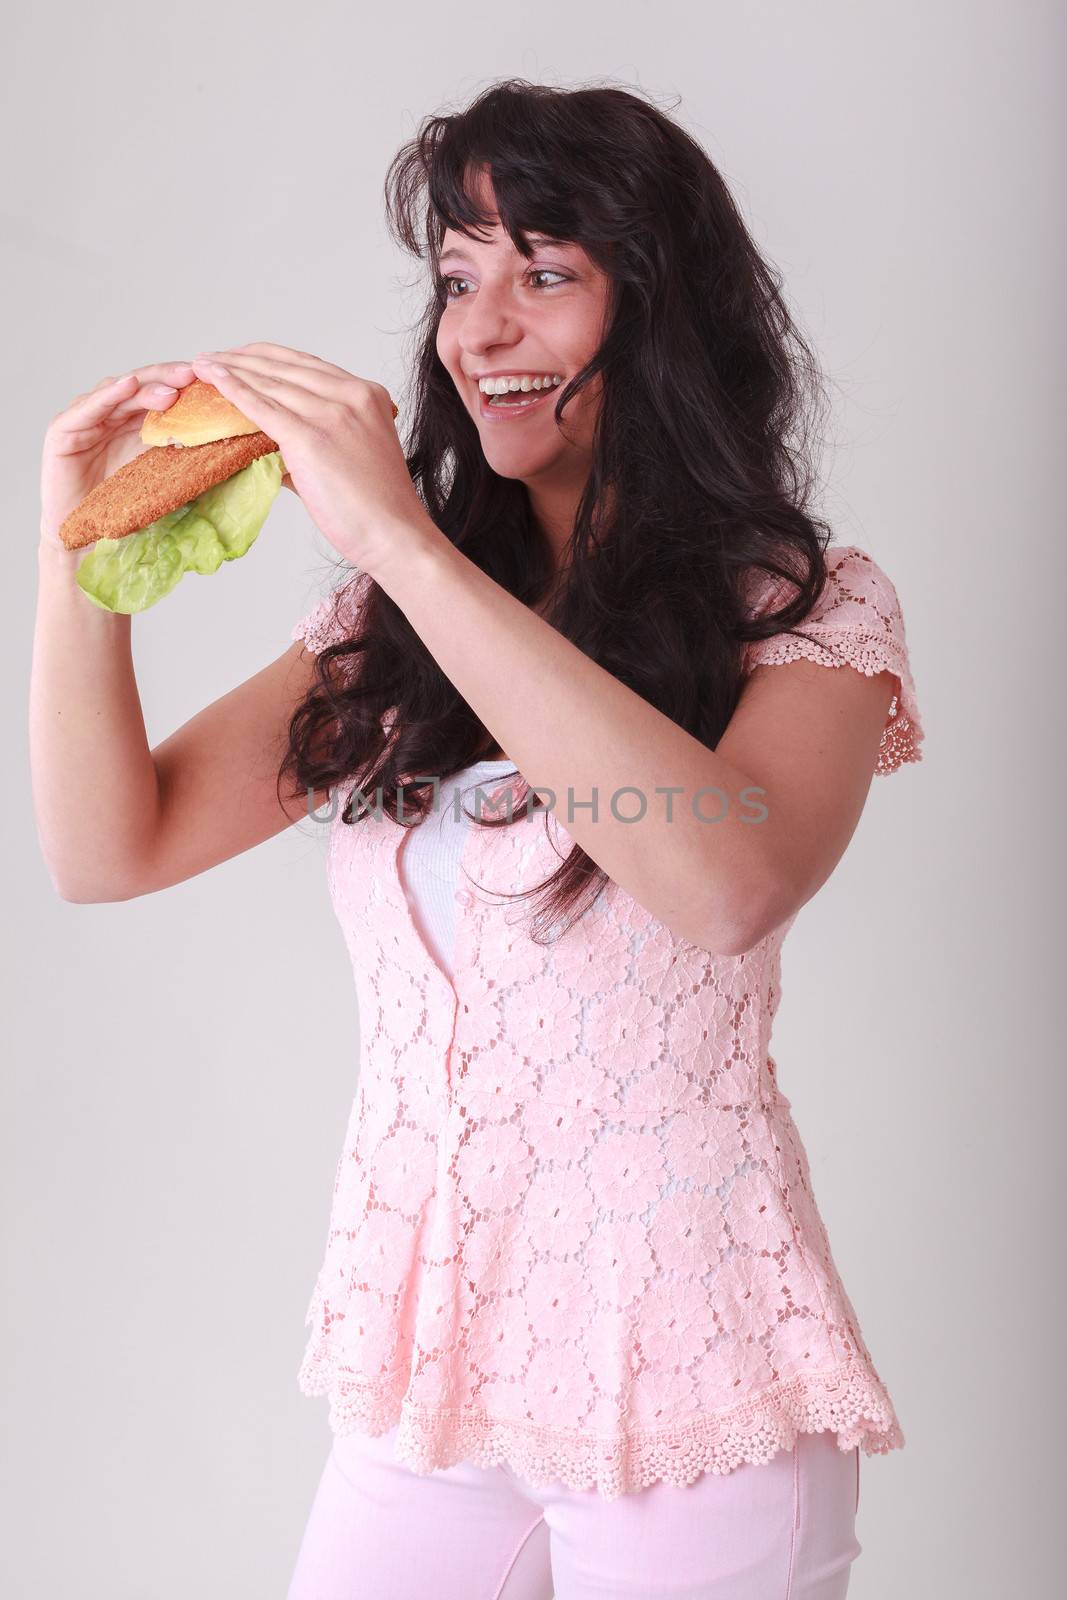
point(493, 314)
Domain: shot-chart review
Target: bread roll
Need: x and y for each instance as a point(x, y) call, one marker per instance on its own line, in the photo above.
point(200, 415)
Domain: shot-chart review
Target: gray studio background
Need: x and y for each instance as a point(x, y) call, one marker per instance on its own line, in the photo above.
point(180, 1067)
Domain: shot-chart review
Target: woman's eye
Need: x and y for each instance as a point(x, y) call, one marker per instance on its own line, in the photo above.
point(535, 272)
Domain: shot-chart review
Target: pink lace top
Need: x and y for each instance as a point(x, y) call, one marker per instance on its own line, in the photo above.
point(572, 1224)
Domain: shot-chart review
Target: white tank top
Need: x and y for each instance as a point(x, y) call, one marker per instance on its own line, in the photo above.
point(429, 856)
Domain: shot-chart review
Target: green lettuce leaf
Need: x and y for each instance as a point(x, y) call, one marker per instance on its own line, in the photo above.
point(132, 573)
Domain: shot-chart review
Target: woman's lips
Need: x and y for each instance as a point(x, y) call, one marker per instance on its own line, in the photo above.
point(510, 413)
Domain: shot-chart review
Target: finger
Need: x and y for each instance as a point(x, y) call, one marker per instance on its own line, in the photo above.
point(316, 380)
point(154, 397)
point(281, 352)
point(304, 389)
point(118, 398)
point(177, 373)
point(265, 401)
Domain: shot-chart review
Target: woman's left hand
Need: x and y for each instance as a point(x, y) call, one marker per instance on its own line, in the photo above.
point(339, 444)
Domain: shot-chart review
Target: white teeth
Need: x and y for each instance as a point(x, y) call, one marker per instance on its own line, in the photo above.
point(524, 383)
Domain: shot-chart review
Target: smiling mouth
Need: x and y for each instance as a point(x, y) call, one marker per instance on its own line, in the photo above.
point(497, 413)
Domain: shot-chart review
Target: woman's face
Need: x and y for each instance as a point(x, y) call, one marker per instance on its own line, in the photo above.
point(506, 315)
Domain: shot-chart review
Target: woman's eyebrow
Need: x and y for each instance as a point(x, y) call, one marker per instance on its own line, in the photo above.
point(455, 254)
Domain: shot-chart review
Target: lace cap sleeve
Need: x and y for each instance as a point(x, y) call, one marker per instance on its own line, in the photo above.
point(333, 618)
point(858, 616)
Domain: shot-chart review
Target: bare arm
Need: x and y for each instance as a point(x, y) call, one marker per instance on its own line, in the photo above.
point(116, 819)
point(95, 790)
point(806, 734)
point(218, 777)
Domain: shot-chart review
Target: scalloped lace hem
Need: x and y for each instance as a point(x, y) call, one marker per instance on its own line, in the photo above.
point(844, 1400)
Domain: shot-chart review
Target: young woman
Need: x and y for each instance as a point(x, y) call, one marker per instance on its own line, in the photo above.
point(578, 1318)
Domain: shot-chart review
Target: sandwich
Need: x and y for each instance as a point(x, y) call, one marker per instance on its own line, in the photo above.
point(195, 498)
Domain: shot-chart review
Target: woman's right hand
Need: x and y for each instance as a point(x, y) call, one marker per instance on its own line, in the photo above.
point(97, 434)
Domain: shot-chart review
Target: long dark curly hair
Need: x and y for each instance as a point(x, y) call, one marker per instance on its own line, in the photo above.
point(701, 468)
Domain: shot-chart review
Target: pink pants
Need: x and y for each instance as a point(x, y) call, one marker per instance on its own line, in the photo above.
point(780, 1530)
